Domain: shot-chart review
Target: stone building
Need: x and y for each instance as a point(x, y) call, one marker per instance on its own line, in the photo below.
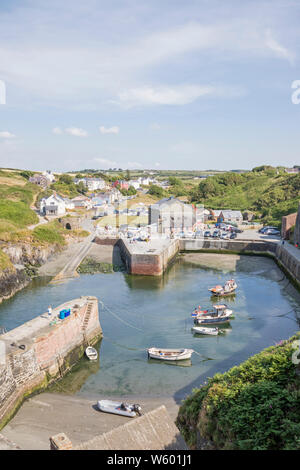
point(297, 228)
point(288, 221)
point(172, 215)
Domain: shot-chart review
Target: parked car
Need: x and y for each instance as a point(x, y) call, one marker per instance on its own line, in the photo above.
point(216, 233)
point(207, 234)
point(189, 234)
point(224, 235)
point(198, 234)
point(267, 227)
point(272, 231)
point(233, 235)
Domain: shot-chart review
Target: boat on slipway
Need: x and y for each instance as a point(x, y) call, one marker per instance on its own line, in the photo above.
point(170, 354)
point(229, 288)
point(119, 408)
point(218, 314)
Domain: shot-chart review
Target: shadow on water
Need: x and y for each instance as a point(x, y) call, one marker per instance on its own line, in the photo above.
point(73, 381)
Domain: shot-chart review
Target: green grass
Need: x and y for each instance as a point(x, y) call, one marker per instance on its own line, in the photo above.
point(268, 194)
point(254, 406)
point(5, 263)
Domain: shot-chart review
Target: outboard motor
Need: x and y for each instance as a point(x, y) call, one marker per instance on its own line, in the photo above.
point(137, 408)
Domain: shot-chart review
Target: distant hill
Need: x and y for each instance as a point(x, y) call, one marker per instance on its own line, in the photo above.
point(268, 192)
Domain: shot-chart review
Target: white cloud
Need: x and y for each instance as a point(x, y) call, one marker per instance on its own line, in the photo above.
point(105, 163)
point(67, 60)
point(6, 135)
point(57, 131)
point(76, 131)
point(176, 95)
point(134, 165)
point(155, 126)
point(279, 50)
point(109, 130)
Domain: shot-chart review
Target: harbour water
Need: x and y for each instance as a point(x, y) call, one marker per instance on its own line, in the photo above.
point(137, 312)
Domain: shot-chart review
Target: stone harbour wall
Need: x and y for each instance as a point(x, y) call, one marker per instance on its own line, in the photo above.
point(49, 348)
point(147, 262)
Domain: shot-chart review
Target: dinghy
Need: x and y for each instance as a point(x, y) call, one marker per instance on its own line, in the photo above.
point(91, 353)
point(170, 354)
point(119, 408)
point(200, 330)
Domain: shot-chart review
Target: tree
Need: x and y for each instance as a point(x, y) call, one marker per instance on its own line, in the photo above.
point(156, 191)
point(67, 179)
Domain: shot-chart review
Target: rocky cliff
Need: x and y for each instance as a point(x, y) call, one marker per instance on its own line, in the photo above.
point(21, 257)
point(11, 281)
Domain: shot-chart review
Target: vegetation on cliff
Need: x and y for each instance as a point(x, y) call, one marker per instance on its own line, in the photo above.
point(269, 192)
point(254, 406)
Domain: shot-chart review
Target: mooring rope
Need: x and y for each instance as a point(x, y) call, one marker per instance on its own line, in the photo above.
point(119, 318)
point(123, 345)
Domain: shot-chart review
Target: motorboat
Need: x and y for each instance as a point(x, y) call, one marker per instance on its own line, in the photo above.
point(91, 353)
point(228, 288)
point(205, 331)
point(218, 314)
point(169, 354)
point(119, 408)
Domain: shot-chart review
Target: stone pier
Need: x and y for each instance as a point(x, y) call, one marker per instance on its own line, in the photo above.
point(43, 350)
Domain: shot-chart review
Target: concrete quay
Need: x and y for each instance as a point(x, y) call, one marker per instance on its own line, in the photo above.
point(152, 258)
point(43, 350)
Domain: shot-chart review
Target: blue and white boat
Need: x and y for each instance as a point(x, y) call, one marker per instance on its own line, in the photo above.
point(219, 314)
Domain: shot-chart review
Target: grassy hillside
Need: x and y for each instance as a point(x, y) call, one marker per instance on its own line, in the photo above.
point(269, 193)
point(16, 197)
point(255, 406)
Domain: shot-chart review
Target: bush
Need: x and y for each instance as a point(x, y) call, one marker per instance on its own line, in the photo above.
point(253, 406)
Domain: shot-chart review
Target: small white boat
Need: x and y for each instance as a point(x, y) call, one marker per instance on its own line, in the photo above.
point(91, 353)
point(205, 331)
point(170, 354)
point(119, 408)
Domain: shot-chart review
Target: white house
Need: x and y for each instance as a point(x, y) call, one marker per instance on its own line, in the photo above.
point(53, 205)
point(49, 175)
point(69, 204)
point(92, 184)
point(134, 183)
point(82, 201)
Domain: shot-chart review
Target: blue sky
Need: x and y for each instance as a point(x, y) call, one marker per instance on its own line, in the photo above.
point(189, 84)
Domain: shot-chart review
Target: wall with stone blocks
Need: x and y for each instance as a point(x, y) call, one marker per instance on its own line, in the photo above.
point(288, 221)
point(49, 351)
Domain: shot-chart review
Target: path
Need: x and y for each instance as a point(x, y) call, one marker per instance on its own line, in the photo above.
point(78, 255)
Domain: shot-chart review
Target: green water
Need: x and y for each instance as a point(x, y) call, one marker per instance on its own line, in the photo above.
point(141, 312)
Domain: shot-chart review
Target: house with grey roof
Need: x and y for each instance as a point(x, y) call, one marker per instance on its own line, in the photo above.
point(172, 215)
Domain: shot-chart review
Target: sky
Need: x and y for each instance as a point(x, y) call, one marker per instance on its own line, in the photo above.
point(156, 84)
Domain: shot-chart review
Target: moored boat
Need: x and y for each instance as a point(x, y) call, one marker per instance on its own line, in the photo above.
point(228, 288)
point(170, 354)
point(205, 331)
point(119, 408)
point(91, 353)
point(219, 314)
